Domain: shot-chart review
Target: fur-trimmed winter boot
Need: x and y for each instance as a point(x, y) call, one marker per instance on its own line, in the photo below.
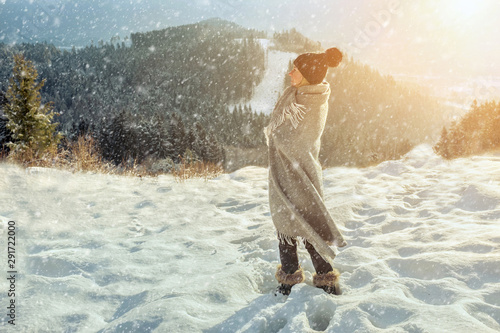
point(329, 282)
point(287, 281)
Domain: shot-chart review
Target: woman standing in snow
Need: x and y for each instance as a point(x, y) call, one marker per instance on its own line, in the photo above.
point(295, 174)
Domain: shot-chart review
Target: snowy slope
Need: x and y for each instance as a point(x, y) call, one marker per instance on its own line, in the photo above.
point(267, 92)
point(103, 253)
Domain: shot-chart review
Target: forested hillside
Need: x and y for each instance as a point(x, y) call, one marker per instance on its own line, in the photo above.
point(169, 93)
point(166, 93)
point(373, 118)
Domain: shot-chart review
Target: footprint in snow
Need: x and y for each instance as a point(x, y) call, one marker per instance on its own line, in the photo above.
point(234, 206)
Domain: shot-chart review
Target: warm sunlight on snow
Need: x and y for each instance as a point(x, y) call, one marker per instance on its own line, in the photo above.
point(154, 255)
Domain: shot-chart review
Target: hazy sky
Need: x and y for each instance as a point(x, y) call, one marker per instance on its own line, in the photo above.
point(432, 37)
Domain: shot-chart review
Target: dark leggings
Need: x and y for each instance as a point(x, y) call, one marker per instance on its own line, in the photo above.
point(290, 260)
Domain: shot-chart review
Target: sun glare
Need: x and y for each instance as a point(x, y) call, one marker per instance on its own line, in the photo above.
point(467, 8)
point(462, 18)
point(458, 10)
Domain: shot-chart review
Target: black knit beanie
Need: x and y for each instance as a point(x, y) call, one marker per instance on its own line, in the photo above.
point(313, 66)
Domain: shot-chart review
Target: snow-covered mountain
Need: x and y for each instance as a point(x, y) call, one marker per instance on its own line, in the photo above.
point(105, 253)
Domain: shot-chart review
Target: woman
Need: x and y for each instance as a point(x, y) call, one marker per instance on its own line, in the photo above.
point(295, 174)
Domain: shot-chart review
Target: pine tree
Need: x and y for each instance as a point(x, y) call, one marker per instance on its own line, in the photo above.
point(116, 139)
point(30, 121)
point(177, 137)
point(200, 142)
point(441, 148)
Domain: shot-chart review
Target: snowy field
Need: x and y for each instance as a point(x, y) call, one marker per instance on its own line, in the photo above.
point(104, 253)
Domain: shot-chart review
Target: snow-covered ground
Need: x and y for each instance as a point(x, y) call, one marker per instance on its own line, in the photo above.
point(105, 253)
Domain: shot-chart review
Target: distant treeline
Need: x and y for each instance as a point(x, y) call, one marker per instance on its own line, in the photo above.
point(202, 32)
point(293, 41)
point(477, 132)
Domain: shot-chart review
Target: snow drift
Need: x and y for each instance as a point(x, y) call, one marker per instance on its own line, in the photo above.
point(103, 253)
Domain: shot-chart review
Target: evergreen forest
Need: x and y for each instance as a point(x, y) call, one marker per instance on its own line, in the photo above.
point(475, 133)
point(166, 93)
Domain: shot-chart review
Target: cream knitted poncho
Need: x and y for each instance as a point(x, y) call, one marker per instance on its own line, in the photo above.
point(295, 174)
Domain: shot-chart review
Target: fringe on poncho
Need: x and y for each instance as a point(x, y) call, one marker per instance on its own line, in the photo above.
point(295, 174)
